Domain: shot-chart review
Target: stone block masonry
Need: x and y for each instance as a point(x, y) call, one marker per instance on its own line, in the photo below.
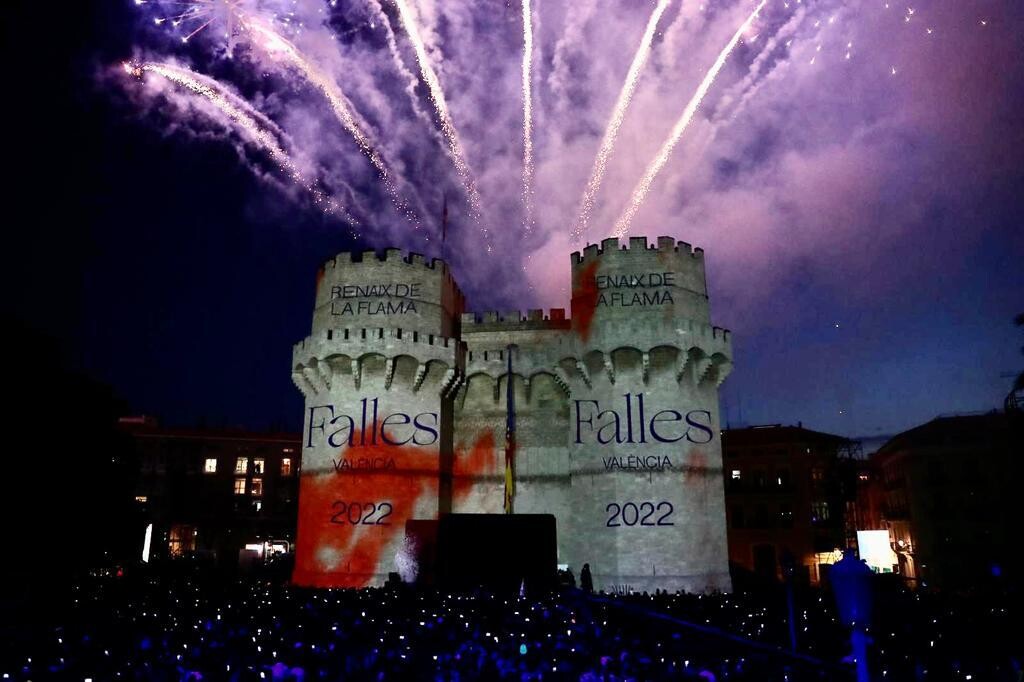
point(617, 420)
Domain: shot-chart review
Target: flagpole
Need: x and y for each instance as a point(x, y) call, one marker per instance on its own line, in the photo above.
point(510, 436)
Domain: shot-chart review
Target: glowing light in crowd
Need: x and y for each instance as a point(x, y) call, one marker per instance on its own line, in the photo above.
point(527, 112)
point(441, 106)
point(643, 51)
point(255, 127)
point(642, 189)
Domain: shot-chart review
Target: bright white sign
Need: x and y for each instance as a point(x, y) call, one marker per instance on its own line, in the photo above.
point(875, 550)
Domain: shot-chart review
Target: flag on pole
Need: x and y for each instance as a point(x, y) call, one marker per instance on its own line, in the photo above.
point(510, 437)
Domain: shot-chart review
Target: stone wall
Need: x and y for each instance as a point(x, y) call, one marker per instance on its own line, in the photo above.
point(616, 409)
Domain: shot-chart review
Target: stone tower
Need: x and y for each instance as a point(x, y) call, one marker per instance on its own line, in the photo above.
point(647, 503)
point(375, 372)
point(616, 411)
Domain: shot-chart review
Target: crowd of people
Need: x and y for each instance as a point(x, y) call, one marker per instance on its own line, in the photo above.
point(194, 625)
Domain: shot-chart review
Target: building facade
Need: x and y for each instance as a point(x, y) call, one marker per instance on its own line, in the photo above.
point(218, 493)
point(948, 498)
point(616, 421)
point(791, 496)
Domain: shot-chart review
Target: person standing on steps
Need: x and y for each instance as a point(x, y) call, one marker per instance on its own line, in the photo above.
point(586, 580)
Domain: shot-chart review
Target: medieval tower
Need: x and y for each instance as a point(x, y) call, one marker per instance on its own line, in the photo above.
point(616, 410)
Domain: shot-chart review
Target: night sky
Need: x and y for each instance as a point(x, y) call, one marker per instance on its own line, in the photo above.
point(863, 228)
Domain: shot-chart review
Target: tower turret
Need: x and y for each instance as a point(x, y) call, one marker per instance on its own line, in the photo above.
point(377, 373)
point(648, 505)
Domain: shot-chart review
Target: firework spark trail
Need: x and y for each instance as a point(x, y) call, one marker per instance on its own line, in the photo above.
point(228, 103)
point(643, 51)
point(276, 44)
point(528, 114)
point(213, 86)
point(644, 186)
point(256, 127)
point(396, 56)
point(195, 16)
point(441, 106)
point(736, 98)
point(411, 82)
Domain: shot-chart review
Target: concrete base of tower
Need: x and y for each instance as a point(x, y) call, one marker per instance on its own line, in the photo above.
point(703, 583)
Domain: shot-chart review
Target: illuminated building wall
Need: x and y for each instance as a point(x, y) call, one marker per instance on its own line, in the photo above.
point(787, 492)
point(209, 492)
point(377, 374)
point(948, 492)
point(616, 409)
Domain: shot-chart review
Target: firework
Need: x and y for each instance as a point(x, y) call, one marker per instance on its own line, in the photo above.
point(277, 45)
point(527, 113)
point(192, 17)
point(761, 70)
point(254, 126)
point(644, 186)
point(396, 56)
point(643, 51)
point(329, 53)
point(441, 106)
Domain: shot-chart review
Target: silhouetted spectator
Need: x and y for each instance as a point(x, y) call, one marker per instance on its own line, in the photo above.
point(586, 580)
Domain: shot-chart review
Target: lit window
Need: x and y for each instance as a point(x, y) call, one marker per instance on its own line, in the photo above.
point(210, 466)
point(239, 486)
point(286, 466)
point(817, 474)
point(257, 466)
point(862, 476)
point(257, 487)
point(819, 511)
point(182, 539)
point(241, 465)
point(141, 498)
point(288, 451)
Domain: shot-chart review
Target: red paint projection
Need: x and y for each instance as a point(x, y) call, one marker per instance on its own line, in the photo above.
point(697, 468)
point(347, 554)
point(584, 300)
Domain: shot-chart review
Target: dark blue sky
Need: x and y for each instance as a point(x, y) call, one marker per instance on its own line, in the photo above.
point(163, 267)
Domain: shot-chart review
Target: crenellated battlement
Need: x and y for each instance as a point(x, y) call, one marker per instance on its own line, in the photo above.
point(388, 288)
point(612, 245)
point(493, 320)
point(346, 259)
